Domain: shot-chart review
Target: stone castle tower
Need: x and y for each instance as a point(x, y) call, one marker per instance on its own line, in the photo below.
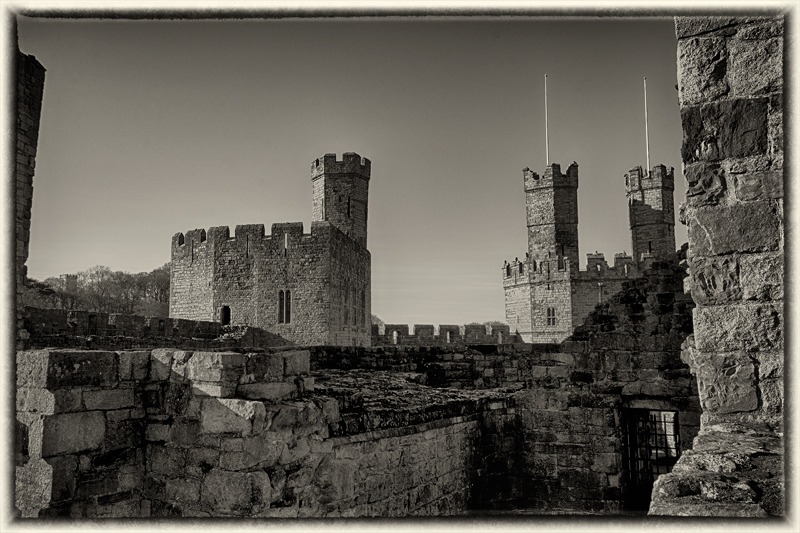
point(341, 190)
point(651, 212)
point(309, 288)
point(546, 294)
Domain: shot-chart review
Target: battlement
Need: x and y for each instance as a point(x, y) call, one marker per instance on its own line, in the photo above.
point(552, 177)
point(660, 177)
point(426, 335)
point(351, 163)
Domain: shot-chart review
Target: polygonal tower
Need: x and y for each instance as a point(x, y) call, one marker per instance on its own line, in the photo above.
point(552, 214)
point(340, 193)
point(651, 213)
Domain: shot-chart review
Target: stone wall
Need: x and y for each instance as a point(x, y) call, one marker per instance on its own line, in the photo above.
point(730, 74)
point(28, 94)
point(116, 331)
point(174, 433)
point(326, 273)
point(426, 335)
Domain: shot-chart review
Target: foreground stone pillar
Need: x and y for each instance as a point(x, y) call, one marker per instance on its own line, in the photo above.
point(730, 73)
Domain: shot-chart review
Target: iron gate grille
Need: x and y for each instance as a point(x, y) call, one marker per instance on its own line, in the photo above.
point(652, 447)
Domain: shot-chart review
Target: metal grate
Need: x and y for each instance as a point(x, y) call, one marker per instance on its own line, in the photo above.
point(652, 447)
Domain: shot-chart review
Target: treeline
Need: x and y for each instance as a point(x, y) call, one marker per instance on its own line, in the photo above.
point(102, 290)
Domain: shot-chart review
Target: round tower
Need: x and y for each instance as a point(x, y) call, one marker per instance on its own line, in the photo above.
point(340, 193)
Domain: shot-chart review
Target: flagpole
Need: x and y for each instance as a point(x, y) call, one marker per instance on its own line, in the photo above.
point(546, 135)
point(646, 133)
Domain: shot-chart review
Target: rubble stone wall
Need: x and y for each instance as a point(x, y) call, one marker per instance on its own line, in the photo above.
point(730, 78)
point(175, 433)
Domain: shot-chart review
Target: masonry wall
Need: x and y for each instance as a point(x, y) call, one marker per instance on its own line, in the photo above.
point(28, 94)
point(730, 79)
point(168, 433)
point(326, 273)
point(651, 212)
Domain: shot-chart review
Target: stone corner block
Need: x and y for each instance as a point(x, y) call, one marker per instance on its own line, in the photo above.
point(73, 432)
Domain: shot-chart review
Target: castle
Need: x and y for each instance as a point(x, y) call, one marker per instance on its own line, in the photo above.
point(546, 294)
point(311, 289)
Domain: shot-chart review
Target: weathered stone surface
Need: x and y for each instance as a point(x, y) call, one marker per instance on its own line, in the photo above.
point(730, 128)
point(53, 369)
point(756, 66)
point(743, 327)
point(183, 490)
point(165, 461)
point(762, 276)
point(255, 451)
point(690, 26)
point(33, 487)
point(161, 364)
point(758, 186)
point(225, 415)
point(715, 280)
point(108, 399)
point(265, 391)
point(232, 493)
point(133, 365)
point(706, 183)
point(39, 401)
point(265, 367)
point(723, 230)
point(73, 432)
point(728, 385)
point(297, 362)
point(705, 62)
point(216, 367)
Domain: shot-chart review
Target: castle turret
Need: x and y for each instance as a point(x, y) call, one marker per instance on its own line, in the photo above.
point(552, 213)
point(341, 190)
point(651, 213)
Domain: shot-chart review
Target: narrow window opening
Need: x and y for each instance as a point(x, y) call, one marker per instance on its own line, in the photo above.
point(394, 337)
point(649, 247)
point(288, 307)
point(521, 268)
point(348, 207)
point(180, 239)
point(598, 268)
point(280, 307)
point(285, 243)
point(499, 337)
point(508, 270)
point(225, 315)
point(447, 337)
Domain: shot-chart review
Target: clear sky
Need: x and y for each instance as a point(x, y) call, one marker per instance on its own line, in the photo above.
point(153, 127)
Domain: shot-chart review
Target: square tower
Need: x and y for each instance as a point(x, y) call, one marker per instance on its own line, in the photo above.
point(341, 190)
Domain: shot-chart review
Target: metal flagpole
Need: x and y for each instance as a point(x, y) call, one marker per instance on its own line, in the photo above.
point(546, 138)
point(646, 133)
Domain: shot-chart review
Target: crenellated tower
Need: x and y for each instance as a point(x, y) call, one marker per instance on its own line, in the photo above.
point(340, 193)
point(552, 215)
point(651, 213)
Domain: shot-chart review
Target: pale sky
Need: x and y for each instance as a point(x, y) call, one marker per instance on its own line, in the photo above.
point(153, 127)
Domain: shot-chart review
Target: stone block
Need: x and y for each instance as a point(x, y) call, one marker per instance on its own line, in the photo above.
point(755, 66)
point(690, 26)
point(265, 391)
point(265, 367)
point(161, 364)
point(73, 433)
point(214, 389)
point(224, 415)
point(298, 362)
point(702, 64)
point(156, 432)
point(133, 365)
point(726, 129)
point(65, 469)
point(35, 401)
point(762, 276)
point(715, 280)
point(723, 230)
point(255, 452)
point(706, 183)
point(108, 399)
point(165, 461)
point(235, 493)
point(727, 384)
point(183, 490)
point(758, 186)
point(741, 327)
point(178, 370)
point(56, 369)
point(216, 367)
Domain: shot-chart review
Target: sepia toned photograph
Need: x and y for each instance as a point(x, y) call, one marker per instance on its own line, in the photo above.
point(313, 265)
